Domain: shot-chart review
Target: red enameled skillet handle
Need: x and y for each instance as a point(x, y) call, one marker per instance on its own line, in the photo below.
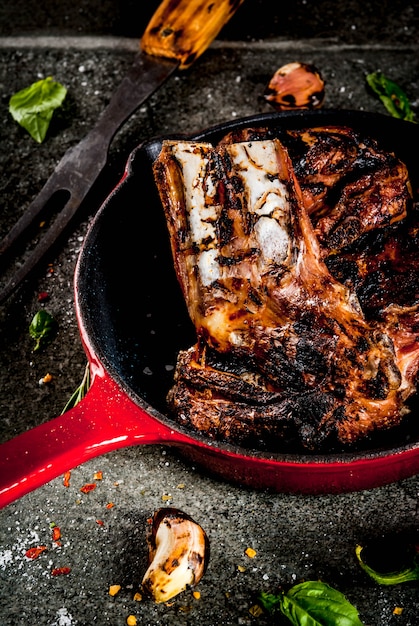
point(104, 420)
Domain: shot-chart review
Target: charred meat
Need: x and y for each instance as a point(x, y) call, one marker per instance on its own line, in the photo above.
point(285, 351)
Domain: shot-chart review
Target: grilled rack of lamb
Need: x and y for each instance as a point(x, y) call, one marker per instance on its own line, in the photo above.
point(291, 249)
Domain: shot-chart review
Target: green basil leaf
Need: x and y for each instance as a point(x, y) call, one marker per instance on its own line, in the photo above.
point(391, 95)
point(407, 574)
point(313, 603)
point(33, 107)
point(269, 601)
point(41, 328)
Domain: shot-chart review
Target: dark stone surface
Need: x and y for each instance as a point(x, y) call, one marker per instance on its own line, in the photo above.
point(350, 22)
point(296, 537)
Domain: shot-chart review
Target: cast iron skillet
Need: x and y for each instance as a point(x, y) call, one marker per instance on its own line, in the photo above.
point(133, 322)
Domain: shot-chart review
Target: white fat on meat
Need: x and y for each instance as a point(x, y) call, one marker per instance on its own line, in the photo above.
point(256, 163)
point(199, 188)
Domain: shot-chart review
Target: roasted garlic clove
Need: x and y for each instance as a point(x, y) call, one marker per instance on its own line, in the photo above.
point(178, 554)
point(295, 86)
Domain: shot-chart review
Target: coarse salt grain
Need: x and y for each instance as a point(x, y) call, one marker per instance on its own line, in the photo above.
point(63, 618)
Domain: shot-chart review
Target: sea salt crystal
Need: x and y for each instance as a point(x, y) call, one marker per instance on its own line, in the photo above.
point(6, 557)
point(63, 618)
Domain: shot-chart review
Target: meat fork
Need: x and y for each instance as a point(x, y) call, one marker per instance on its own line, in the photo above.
point(178, 32)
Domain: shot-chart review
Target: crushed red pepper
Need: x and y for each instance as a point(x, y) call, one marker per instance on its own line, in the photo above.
point(33, 553)
point(66, 479)
point(56, 535)
point(60, 571)
point(88, 487)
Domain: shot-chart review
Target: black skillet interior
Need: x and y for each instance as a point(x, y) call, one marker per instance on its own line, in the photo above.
point(130, 302)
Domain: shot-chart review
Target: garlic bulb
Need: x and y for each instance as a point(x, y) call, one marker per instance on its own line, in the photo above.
point(178, 554)
point(295, 86)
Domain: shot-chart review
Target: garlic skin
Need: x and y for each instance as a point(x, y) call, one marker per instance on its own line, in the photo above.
point(295, 86)
point(178, 554)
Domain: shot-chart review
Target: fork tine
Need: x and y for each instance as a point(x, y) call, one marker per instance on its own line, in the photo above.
point(67, 177)
point(81, 165)
point(28, 218)
point(43, 247)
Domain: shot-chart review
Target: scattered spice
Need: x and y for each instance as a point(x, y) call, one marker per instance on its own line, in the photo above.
point(98, 476)
point(398, 610)
point(114, 589)
point(33, 553)
point(196, 595)
point(88, 487)
point(45, 380)
point(241, 568)
point(250, 552)
point(256, 610)
point(138, 597)
point(56, 534)
point(60, 571)
point(100, 522)
point(43, 296)
point(110, 505)
point(166, 497)
point(66, 479)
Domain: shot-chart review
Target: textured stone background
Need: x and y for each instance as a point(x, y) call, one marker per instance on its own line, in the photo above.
point(296, 537)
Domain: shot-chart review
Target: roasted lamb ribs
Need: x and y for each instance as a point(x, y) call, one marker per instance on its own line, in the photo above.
point(272, 239)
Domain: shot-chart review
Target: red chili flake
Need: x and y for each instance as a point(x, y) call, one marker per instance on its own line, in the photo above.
point(110, 505)
point(60, 571)
point(56, 533)
point(33, 553)
point(43, 296)
point(98, 475)
point(66, 479)
point(100, 522)
point(88, 487)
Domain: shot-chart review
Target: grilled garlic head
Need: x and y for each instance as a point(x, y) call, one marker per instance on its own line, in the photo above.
point(178, 554)
point(295, 86)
